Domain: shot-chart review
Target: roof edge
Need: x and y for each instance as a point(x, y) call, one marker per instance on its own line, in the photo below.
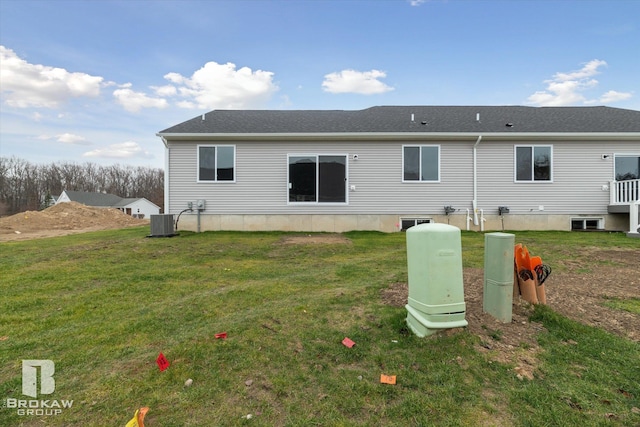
point(400, 136)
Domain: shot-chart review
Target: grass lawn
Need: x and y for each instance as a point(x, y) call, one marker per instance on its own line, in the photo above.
point(103, 305)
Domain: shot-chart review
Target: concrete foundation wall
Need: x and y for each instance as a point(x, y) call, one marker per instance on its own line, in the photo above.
point(386, 223)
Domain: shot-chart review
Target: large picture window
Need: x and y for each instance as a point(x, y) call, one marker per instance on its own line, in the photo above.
point(216, 163)
point(421, 163)
point(533, 163)
point(317, 178)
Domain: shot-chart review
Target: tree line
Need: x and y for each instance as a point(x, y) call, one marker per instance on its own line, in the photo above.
point(29, 186)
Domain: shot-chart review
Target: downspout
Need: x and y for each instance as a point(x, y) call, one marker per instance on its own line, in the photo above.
point(166, 174)
point(474, 202)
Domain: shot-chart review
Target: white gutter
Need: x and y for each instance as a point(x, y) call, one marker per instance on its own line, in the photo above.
point(405, 136)
point(474, 202)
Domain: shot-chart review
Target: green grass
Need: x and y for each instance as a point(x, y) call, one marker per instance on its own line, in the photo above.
point(103, 305)
point(632, 305)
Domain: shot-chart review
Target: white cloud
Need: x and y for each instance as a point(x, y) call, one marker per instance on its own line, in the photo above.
point(186, 104)
point(352, 81)
point(69, 138)
point(567, 88)
point(589, 69)
point(25, 85)
point(221, 86)
point(135, 101)
point(123, 150)
point(66, 138)
point(175, 78)
point(416, 2)
point(165, 91)
point(614, 96)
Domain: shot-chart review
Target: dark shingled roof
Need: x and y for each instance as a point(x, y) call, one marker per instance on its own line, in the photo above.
point(397, 119)
point(93, 198)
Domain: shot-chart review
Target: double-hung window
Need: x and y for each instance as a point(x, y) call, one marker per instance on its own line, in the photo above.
point(216, 163)
point(317, 178)
point(421, 163)
point(533, 163)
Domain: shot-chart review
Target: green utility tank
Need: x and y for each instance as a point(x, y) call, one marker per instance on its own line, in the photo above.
point(436, 290)
point(498, 275)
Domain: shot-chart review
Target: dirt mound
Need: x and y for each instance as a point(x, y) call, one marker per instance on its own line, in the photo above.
point(64, 218)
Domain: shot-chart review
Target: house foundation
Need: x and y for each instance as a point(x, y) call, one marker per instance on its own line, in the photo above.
point(393, 223)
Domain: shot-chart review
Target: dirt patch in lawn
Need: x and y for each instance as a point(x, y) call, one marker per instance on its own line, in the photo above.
point(309, 239)
point(579, 292)
point(62, 219)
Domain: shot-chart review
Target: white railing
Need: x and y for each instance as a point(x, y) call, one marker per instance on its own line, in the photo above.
point(624, 192)
point(634, 224)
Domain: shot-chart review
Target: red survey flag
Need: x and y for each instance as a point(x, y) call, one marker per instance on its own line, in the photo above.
point(162, 362)
point(221, 335)
point(347, 342)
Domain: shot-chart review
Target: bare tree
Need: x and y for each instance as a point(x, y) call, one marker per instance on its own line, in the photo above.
point(27, 186)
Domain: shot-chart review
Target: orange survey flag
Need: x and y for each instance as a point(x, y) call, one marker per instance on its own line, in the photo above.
point(516, 285)
point(138, 418)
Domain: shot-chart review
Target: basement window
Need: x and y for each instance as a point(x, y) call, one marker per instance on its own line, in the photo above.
point(407, 223)
point(584, 224)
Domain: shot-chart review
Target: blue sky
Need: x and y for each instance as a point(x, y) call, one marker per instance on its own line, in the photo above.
point(95, 80)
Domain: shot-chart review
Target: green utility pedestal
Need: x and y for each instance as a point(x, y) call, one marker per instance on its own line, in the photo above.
point(436, 291)
point(498, 275)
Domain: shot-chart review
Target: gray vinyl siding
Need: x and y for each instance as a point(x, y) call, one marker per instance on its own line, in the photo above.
point(260, 185)
point(579, 172)
point(261, 179)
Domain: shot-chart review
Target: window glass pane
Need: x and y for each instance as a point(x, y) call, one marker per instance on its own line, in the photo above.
point(332, 179)
point(627, 167)
point(429, 163)
point(207, 164)
point(542, 163)
point(411, 163)
point(591, 224)
point(225, 163)
point(302, 179)
point(577, 224)
point(523, 164)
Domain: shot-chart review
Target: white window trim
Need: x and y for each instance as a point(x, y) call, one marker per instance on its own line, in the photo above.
point(515, 164)
point(215, 181)
point(317, 157)
point(613, 168)
point(420, 181)
point(422, 219)
point(600, 220)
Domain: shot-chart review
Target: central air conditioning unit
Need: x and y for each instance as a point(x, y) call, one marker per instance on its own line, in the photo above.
point(162, 226)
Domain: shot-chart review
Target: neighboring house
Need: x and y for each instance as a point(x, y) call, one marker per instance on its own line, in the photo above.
point(386, 168)
point(136, 207)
